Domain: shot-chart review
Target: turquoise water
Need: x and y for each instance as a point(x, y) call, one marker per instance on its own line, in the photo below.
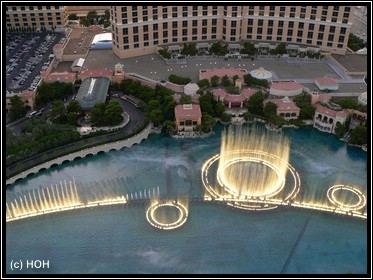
point(215, 238)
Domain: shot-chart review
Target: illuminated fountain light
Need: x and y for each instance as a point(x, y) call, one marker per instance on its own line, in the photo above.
point(157, 206)
point(252, 169)
point(345, 205)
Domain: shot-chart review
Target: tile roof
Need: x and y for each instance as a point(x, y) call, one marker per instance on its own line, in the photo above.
point(184, 111)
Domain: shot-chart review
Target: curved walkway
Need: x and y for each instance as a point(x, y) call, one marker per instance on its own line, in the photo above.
point(136, 139)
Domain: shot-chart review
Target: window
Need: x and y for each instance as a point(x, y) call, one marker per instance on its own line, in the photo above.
point(213, 29)
point(281, 23)
point(136, 45)
point(135, 29)
point(156, 42)
point(291, 24)
point(259, 30)
point(343, 30)
point(165, 25)
point(194, 31)
point(250, 22)
point(260, 23)
point(270, 23)
point(204, 22)
point(125, 31)
point(155, 17)
point(185, 23)
point(165, 33)
point(165, 41)
point(269, 38)
point(330, 44)
point(145, 28)
point(300, 25)
point(321, 28)
point(145, 12)
point(320, 36)
point(332, 29)
point(311, 26)
point(279, 32)
point(331, 37)
point(155, 26)
point(194, 22)
point(319, 43)
point(290, 32)
point(300, 33)
point(249, 29)
point(125, 40)
point(185, 8)
point(174, 15)
point(135, 38)
point(174, 24)
point(135, 20)
point(310, 35)
point(341, 39)
point(185, 14)
point(309, 42)
point(134, 14)
point(269, 31)
point(214, 21)
point(204, 30)
point(146, 37)
point(155, 35)
point(185, 32)
point(145, 18)
point(340, 46)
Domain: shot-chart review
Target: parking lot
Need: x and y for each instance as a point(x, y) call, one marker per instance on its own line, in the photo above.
point(26, 55)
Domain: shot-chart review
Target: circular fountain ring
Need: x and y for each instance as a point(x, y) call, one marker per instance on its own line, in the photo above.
point(183, 215)
point(347, 207)
point(250, 202)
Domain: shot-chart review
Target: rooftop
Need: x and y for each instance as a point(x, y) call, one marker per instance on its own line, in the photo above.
point(284, 104)
point(185, 111)
point(208, 73)
point(329, 112)
point(286, 85)
point(326, 81)
point(80, 39)
point(92, 91)
point(67, 77)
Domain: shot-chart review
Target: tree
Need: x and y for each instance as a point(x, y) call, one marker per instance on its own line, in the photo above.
point(208, 122)
point(170, 126)
point(97, 114)
point(189, 49)
point(248, 116)
point(73, 106)
point(72, 118)
point(235, 77)
point(232, 89)
point(113, 113)
point(218, 49)
point(248, 48)
point(255, 104)
point(270, 110)
point(280, 48)
point(359, 135)
point(340, 130)
point(178, 80)
point(107, 15)
point(17, 109)
point(303, 101)
point(156, 116)
point(215, 80)
point(225, 117)
point(58, 111)
point(219, 109)
point(72, 17)
point(205, 101)
point(225, 80)
point(185, 99)
point(153, 105)
point(91, 17)
point(203, 83)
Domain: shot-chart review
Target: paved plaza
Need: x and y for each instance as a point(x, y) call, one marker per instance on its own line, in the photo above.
point(154, 67)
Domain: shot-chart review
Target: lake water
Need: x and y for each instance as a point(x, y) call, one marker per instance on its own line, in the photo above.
point(215, 238)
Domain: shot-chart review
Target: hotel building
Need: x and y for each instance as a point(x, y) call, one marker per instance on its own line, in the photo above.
point(30, 18)
point(139, 30)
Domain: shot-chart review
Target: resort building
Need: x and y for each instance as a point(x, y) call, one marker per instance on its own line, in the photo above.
point(233, 100)
point(187, 116)
point(28, 98)
point(33, 18)
point(139, 30)
point(221, 72)
point(357, 118)
point(326, 119)
point(261, 74)
point(92, 91)
point(82, 11)
point(326, 83)
point(285, 89)
point(286, 108)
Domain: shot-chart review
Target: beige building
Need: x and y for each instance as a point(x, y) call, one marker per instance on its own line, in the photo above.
point(139, 30)
point(82, 11)
point(30, 18)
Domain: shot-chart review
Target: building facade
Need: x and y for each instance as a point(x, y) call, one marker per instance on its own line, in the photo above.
point(326, 119)
point(187, 117)
point(32, 18)
point(139, 30)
